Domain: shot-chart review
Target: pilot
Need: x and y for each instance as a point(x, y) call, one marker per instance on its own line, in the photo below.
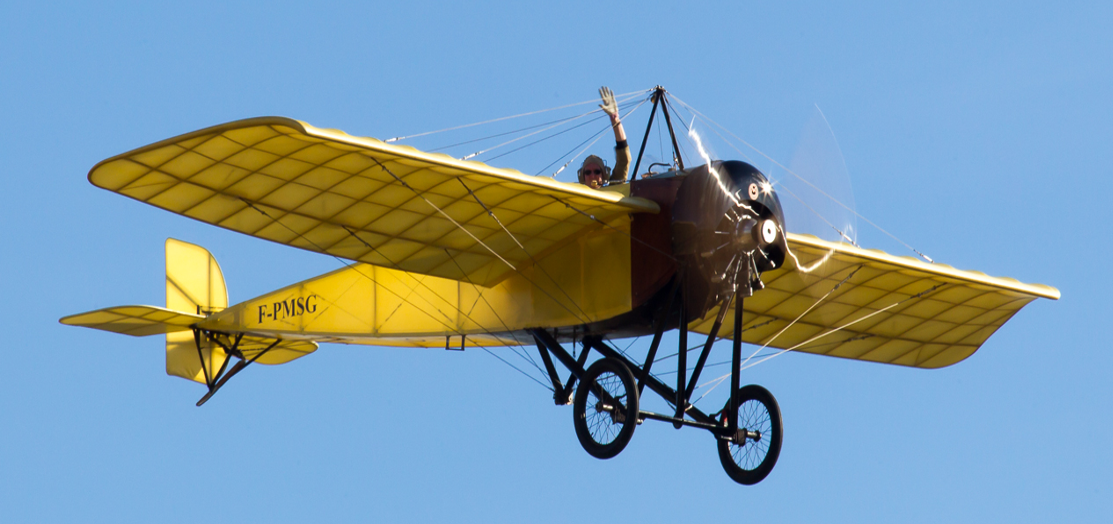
point(594, 172)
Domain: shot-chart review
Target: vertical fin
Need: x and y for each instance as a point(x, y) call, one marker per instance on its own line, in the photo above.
point(194, 284)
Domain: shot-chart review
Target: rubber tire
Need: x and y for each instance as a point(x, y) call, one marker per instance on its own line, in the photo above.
point(736, 471)
point(579, 409)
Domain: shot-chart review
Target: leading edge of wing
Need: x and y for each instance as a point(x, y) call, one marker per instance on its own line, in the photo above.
point(633, 204)
point(944, 270)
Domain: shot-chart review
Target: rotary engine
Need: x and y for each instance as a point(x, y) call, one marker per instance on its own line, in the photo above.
point(727, 228)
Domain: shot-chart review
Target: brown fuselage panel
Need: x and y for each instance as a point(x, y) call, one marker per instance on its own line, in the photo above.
point(650, 269)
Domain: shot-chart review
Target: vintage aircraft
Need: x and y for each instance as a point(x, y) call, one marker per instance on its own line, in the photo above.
point(442, 251)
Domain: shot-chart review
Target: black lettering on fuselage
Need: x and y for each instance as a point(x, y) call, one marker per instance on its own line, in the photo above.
point(293, 307)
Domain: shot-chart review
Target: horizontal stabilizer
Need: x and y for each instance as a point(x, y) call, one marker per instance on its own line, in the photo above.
point(137, 321)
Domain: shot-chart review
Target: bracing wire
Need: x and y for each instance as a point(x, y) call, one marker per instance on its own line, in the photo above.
point(448, 327)
point(804, 180)
point(523, 137)
point(489, 306)
point(716, 381)
point(836, 330)
point(783, 187)
point(802, 315)
point(397, 138)
point(504, 361)
point(631, 237)
point(496, 135)
point(538, 141)
point(457, 224)
point(593, 139)
point(552, 124)
point(844, 326)
point(523, 248)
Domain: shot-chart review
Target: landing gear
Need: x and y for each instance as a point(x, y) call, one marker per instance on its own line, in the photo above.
point(751, 452)
point(605, 409)
point(725, 231)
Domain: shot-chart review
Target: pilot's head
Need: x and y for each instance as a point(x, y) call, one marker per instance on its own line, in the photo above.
point(594, 172)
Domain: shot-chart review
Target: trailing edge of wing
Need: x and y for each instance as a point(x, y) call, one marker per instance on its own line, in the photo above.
point(360, 198)
point(839, 300)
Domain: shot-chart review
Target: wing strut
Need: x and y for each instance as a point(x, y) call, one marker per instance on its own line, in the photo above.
point(659, 99)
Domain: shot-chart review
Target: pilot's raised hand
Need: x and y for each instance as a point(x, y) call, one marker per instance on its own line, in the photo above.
point(609, 106)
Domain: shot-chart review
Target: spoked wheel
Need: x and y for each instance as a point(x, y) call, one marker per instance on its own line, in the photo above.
point(751, 454)
point(605, 409)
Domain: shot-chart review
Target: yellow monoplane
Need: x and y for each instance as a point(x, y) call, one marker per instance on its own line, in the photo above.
point(446, 252)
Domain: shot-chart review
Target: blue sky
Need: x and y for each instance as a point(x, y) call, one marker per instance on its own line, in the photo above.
point(981, 134)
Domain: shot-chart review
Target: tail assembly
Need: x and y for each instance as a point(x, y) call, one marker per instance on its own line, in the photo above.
point(194, 290)
point(194, 283)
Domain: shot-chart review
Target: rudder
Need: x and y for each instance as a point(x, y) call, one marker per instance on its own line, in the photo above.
point(194, 284)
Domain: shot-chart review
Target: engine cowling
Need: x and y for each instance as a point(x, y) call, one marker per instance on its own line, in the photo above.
point(727, 228)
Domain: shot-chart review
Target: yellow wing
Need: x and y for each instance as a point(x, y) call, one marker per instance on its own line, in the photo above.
point(895, 310)
point(359, 198)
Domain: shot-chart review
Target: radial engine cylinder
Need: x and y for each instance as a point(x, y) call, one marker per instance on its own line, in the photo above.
point(727, 227)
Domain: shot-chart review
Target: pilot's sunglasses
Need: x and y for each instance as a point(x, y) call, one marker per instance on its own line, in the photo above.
point(593, 172)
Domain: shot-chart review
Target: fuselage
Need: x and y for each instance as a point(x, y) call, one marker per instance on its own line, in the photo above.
point(607, 280)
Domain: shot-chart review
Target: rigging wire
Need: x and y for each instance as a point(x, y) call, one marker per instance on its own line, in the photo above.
point(844, 326)
point(783, 187)
point(531, 377)
point(719, 338)
point(489, 306)
point(523, 248)
point(431, 290)
point(741, 366)
point(831, 331)
point(552, 123)
point(538, 141)
point(356, 268)
point(593, 139)
point(719, 380)
point(442, 213)
point(802, 179)
point(397, 138)
point(519, 130)
point(511, 141)
point(631, 237)
point(457, 224)
point(801, 315)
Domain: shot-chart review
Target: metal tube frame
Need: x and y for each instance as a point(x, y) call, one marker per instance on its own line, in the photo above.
point(231, 347)
point(659, 100)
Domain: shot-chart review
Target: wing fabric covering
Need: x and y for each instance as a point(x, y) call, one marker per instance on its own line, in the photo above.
point(893, 310)
point(359, 198)
point(137, 321)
